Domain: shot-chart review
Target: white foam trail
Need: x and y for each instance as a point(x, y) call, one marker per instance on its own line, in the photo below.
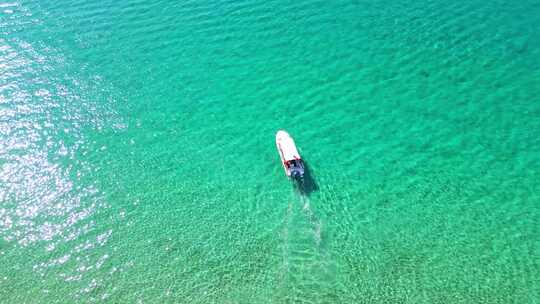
point(313, 219)
point(286, 240)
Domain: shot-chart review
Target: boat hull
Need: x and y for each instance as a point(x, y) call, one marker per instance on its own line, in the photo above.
point(288, 152)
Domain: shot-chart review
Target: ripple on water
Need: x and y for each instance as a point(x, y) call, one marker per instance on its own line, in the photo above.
point(48, 205)
point(419, 120)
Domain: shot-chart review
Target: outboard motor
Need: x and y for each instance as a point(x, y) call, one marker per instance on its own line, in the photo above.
point(297, 169)
point(296, 174)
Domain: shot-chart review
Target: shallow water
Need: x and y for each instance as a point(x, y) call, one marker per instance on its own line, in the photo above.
point(137, 156)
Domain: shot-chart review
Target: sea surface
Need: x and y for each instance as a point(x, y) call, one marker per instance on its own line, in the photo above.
point(138, 162)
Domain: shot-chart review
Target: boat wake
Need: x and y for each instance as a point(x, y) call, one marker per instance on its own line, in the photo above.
point(315, 222)
point(307, 264)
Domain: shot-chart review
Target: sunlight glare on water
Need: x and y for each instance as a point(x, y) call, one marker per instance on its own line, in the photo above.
point(138, 163)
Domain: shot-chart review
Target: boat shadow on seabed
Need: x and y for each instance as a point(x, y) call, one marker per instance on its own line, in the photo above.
point(306, 184)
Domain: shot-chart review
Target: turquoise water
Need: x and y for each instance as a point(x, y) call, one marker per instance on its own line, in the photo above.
point(138, 165)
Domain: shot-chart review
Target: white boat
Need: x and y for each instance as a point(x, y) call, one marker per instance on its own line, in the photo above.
point(290, 158)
